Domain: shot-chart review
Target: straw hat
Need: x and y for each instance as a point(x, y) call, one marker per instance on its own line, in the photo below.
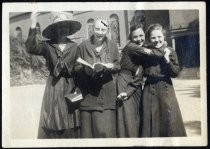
point(60, 20)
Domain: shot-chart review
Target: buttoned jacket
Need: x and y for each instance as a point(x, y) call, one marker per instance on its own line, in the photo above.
point(99, 94)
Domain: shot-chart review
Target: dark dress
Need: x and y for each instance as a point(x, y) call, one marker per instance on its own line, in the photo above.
point(161, 114)
point(129, 81)
point(59, 118)
point(128, 117)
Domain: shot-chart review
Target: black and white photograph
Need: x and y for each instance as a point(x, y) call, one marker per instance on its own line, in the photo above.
point(102, 74)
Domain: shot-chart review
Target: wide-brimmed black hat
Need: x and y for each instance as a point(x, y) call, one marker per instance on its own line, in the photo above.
point(61, 19)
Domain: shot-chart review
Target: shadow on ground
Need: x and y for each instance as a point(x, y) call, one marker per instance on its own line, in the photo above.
point(194, 127)
point(191, 91)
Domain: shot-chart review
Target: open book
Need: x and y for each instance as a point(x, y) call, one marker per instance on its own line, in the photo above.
point(80, 60)
point(73, 97)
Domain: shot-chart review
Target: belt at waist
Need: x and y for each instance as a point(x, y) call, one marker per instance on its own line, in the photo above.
point(151, 79)
point(64, 75)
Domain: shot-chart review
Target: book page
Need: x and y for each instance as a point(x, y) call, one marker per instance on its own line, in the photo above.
point(80, 60)
point(103, 64)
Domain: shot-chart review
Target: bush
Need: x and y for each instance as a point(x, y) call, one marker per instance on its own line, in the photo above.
point(25, 68)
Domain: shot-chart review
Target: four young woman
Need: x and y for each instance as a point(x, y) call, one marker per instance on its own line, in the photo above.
point(149, 112)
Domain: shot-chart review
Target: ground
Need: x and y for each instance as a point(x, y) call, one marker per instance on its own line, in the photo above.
point(26, 104)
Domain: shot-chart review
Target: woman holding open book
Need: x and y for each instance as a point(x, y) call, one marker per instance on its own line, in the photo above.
point(58, 119)
point(98, 61)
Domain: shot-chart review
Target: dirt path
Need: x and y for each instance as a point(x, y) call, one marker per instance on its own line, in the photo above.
point(26, 105)
point(188, 95)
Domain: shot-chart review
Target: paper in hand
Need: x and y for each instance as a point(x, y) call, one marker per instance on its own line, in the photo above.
point(73, 97)
point(80, 60)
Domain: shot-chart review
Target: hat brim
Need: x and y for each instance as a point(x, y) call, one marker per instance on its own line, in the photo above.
point(50, 31)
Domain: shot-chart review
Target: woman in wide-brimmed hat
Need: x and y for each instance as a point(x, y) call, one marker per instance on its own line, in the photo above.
point(58, 118)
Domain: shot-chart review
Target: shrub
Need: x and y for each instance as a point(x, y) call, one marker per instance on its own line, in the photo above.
point(25, 68)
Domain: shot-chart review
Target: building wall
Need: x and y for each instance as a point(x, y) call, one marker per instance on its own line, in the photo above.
point(184, 25)
point(182, 18)
point(173, 19)
point(157, 16)
point(24, 22)
point(20, 21)
point(170, 19)
point(84, 17)
point(152, 17)
point(45, 19)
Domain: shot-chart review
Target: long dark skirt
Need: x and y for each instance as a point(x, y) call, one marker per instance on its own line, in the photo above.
point(128, 116)
point(58, 118)
point(98, 124)
point(161, 113)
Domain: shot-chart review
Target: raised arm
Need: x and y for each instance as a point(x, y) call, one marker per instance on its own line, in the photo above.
point(136, 50)
point(172, 60)
point(33, 43)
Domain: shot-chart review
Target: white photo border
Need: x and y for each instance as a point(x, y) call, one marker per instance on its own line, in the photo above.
point(7, 140)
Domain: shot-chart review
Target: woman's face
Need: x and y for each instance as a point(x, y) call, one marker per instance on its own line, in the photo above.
point(157, 38)
point(100, 29)
point(138, 36)
point(62, 32)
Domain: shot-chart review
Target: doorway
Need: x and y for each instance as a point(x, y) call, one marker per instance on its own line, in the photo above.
point(187, 48)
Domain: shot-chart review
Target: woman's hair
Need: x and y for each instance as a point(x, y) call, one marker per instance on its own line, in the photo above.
point(153, 27)
point(133, 28)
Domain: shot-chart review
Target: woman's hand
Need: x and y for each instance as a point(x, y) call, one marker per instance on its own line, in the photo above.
point(34, 19)
point(148, 51)
point(122, 96)
point(166, 50)
point(166, 55)
point(110, 65)
point(88, 70)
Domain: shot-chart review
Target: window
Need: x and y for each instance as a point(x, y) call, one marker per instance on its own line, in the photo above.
point(90, 28)
point(18, 32)
point(115, 29)
point(138, 18)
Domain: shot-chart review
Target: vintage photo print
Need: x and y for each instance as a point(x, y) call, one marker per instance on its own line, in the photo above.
point(102, 74)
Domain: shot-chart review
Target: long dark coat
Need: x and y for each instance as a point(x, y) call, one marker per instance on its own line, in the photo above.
point(128, 117)
point(161, 114)
point(56, 113)
point(99, 94)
